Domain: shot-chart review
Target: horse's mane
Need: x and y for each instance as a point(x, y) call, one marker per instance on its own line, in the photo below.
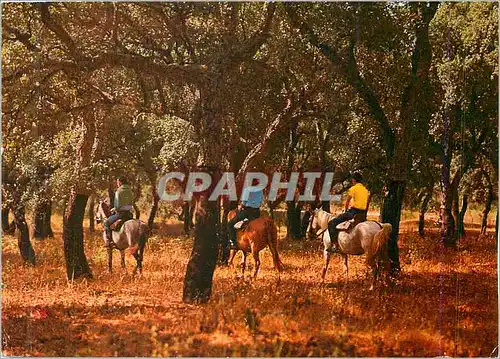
point(104, 207)
point(324, 217)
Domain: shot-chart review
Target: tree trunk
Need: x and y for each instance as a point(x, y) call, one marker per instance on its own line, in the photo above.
point(188, 212)
point(201, 265)
point(304, 223)
point(391, 213)
point(486, 211)
point(5, 219)
point(447, 220)
point(111, 196)
point(41, 220)
point(23, 236)
point(461, 216)
point(91, 213)
point(154, 206)
point(496, 225)
point(293, 223)
point(76, 262)
point(423, 208)
point(137, 212)
point(223, 235)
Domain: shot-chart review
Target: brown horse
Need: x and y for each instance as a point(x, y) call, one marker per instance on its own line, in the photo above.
point(258, 234)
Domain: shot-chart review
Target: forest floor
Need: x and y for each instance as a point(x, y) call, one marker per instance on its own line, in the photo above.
point(444, 303)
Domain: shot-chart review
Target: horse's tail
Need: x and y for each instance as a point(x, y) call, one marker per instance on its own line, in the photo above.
point(272, 233)
point(381, 251)
point(141, 241)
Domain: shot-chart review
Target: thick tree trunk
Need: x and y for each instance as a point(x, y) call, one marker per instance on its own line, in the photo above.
point(391, 213)
point(447, 220)
point(293, 223)
point(201, 265)
point(41, 220)
point(91, 213)
point(486, 211)
point(461, 216)
point(5, 219)
point(188, 213)
point(154, 206)
point(23, 236)
point(76, 262)
point(423, 209)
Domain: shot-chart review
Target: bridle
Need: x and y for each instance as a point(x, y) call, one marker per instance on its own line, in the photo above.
point(318, 234)
point(100, 217)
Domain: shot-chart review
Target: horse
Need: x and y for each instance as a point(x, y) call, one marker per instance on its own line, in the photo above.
point(258, 234)
point(133, 234)
point(368, 237)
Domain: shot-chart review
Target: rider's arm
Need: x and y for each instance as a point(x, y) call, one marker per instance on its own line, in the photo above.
point(347, 202)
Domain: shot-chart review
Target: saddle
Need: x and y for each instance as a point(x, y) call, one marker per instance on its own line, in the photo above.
point(124, 217)
point(349, 225)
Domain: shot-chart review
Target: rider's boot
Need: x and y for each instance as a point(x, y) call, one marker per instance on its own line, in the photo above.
point(334, 237)
point(109, 238)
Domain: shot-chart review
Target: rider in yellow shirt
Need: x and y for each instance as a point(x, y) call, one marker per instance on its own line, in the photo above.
point(357, 203)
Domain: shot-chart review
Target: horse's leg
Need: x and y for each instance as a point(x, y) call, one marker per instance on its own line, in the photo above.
point(257, 263)
point(243, 263)
point(346, 267)
point(110, 259)
point(232, 254)
point(138, 265)
point(371, 264)
point(326, 256)
point(122, 253)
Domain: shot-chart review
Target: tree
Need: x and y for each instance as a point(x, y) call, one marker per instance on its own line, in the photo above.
point(415, 95)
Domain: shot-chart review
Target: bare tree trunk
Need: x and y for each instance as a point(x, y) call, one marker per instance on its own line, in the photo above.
point(41, 220)
point(23, 236)
point(461, 216)
point(5, 219)
point(293, 224)
point(74, 214)
point(201, 265)
point(76, 262)
point(137, 193)
point(91, 213)
point(188, 212)
point(423, 209)
point(487, 209)
point(391, 213)
point(154, 206)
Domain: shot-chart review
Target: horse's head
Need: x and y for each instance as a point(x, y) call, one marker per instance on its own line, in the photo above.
point(102, 212)
point(319, 220)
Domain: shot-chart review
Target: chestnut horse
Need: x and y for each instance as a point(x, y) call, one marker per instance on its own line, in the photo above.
point(258, 234)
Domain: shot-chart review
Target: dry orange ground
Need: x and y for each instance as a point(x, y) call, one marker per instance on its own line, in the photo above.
point(447, 308)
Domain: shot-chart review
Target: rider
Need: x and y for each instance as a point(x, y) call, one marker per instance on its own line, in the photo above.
point(123, 204)
point(357, 203)
point(249, 208)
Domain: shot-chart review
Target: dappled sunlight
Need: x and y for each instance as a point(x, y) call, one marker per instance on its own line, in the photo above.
point(119, 314)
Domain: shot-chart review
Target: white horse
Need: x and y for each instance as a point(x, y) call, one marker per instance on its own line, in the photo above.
point(133, 234)
point(368, 237)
